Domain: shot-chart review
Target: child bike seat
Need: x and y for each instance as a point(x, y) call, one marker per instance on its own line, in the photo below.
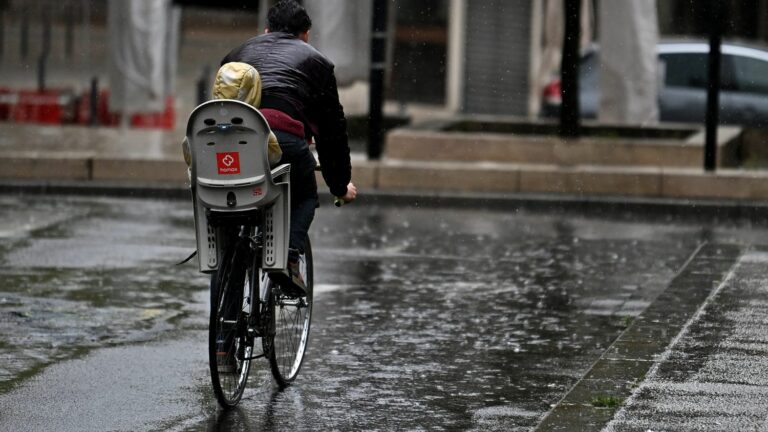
point(230, 175)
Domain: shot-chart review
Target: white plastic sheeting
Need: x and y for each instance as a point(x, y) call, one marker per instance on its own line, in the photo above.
point(143, 46)
point(341, 29)
point(629, 35)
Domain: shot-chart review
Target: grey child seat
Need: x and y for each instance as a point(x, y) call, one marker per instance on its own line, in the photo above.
point(231, 176)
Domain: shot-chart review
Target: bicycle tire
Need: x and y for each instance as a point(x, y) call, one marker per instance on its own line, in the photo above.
point(289, 323)
point(229, 353)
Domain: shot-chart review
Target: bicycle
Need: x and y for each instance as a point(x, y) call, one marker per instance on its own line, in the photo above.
point(242, 214)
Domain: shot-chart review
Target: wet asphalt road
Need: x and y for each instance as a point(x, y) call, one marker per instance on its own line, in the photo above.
point(425, 318)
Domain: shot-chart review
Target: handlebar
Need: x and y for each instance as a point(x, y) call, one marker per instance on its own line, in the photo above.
point(337, 201)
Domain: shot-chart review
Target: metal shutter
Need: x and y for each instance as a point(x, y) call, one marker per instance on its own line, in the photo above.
point(498, 41)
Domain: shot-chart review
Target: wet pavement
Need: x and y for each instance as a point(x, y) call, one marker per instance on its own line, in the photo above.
point(426, 318)
point(715, 376)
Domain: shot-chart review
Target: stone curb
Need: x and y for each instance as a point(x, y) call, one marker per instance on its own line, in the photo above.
point(587, 180)
point(603, 206)
point(392, 176)
point(626, 362)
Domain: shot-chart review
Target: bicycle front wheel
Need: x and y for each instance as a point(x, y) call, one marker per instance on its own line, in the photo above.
point(289, 319)
point(229, 349)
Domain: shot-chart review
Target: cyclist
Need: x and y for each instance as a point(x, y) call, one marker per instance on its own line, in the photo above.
point(300, 102)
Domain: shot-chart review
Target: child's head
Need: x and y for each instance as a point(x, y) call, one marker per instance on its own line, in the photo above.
point(238, 81)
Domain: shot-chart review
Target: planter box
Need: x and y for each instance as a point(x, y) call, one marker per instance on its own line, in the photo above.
point(494, 140)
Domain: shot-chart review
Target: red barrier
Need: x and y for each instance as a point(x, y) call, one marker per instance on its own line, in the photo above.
point(103, 116)
point(48, 107)
point(163, 120)
point(8, 99)
point(58, 106)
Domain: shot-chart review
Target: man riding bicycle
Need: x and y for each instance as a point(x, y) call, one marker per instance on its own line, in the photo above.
point(300, 102)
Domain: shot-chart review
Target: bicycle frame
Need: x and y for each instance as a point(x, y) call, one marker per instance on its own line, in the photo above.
point(251, 236)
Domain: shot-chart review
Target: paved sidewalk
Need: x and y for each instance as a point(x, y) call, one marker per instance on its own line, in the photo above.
point(51, 153)
point(715, 376)
point(593, 401)
point(695, 360)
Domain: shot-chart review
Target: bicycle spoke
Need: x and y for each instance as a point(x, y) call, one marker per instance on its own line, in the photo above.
point(291, 320)
point(228, 352)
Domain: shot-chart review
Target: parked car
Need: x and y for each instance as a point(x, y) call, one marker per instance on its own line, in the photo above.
point(683, 95)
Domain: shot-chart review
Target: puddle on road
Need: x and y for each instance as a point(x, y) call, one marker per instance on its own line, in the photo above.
point(19, 221)
point(95, 273)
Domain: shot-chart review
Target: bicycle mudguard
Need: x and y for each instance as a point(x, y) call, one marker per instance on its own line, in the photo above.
point(230, 174)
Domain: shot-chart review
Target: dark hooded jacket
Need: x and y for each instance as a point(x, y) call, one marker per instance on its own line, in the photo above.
point(299, 81)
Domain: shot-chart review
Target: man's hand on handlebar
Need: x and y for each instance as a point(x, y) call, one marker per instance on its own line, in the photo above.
point(351, 193)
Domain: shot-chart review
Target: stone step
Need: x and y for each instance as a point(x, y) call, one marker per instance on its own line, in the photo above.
point(439, 145)
point(584, 180)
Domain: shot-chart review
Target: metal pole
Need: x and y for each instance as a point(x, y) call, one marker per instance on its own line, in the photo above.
point(85, 41)
point(202, 85)
point(569, 71)
point(46, 49)
point(94, 120)
point(41, 72)
point(24, 37)
point(2, 32)
point(46, 19)
point(713, 87)
point(378, 69)
point(264, 6)
point(69, 30)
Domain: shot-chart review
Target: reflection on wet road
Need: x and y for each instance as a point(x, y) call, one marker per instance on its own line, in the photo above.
point(425, 318)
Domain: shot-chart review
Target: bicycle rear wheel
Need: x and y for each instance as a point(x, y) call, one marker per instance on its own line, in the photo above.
point(229, 350)
point(289, 320)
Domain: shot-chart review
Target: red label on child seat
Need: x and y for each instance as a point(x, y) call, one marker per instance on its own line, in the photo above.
point(228, 163)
